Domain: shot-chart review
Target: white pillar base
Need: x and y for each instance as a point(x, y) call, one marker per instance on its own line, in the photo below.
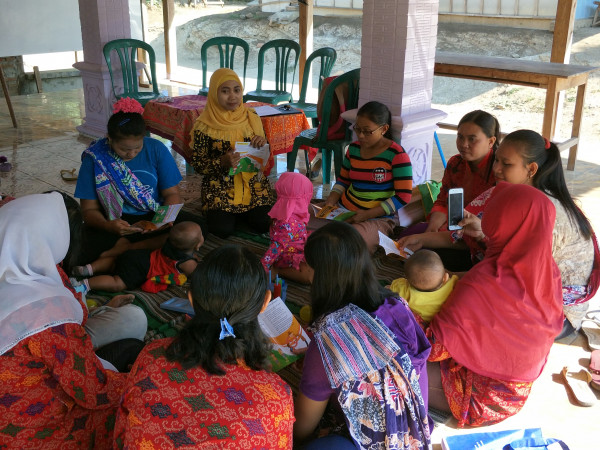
point(98, 95)
point(416, 137)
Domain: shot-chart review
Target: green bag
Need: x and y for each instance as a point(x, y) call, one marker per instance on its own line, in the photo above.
point(429, 192)
point(421, 202)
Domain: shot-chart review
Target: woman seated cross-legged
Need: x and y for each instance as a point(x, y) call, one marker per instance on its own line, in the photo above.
point(55, 391)
point(123, 179)
point(368, 356)
point(210, 387)
point(376, 176)
point(242, 198)
point(491, 338)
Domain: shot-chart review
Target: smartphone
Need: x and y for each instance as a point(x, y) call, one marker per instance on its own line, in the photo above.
point(455, 208)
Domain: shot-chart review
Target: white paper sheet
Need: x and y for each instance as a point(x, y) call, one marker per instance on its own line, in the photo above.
point(266, 110)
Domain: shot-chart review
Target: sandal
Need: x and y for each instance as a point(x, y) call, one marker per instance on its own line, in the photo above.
point(595, 369)
point(577, 382)
point(590, 326)
point(68, 175)
point(5, 166)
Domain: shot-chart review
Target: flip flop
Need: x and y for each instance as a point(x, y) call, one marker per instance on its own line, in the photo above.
point(590, 326)
point(5, 166)
point(68, 175)
point(577, 382)
point(595, 369)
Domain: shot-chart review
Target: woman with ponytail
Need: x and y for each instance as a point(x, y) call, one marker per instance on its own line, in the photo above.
point(525, 157)
point(210, 385)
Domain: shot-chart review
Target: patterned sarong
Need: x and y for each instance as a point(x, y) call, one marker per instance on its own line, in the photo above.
point(380, 397)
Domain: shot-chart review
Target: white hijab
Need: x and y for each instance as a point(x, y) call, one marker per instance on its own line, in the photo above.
point(34, 237)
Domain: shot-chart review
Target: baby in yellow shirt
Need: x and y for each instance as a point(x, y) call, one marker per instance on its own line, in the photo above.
point(427, 284)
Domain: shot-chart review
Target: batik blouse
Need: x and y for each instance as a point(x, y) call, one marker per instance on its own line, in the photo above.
point(218, 187)
point(165, 406)
point(55, 394)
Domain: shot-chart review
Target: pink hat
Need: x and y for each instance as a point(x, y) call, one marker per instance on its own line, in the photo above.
point(294, 192)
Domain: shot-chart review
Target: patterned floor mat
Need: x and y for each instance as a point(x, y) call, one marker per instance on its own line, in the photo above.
point(163, 323)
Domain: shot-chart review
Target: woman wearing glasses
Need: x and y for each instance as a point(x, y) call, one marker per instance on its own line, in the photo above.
point(376, 176)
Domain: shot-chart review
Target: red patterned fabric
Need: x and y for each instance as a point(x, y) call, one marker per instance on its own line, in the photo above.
point(165, 406)
point(175, 120)
point(55, 394)
point(476, 400)
point(160, 265)
point(65, 279)
point(503, 315)
point(493, 334)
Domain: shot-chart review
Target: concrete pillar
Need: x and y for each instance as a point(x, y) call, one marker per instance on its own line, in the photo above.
point(397, 59)
point(101, 21)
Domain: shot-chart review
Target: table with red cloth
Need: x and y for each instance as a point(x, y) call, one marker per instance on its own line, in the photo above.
point(174, 120)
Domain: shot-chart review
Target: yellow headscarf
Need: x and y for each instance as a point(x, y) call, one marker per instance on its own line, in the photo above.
point(218, 123)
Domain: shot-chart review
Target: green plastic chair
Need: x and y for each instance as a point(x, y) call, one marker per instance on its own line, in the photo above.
point(327, 56)
point(284, 63)
point(227, 45)
point(127, 51)
point(317, 137)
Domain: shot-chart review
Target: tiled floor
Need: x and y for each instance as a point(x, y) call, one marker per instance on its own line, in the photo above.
point(46, 142)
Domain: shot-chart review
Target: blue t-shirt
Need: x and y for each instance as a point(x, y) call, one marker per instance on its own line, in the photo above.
point(153, 166)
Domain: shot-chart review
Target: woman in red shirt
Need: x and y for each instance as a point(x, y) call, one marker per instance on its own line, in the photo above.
point(477, 140)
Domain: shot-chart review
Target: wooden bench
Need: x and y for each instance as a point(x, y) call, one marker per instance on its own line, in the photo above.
point(553, 77)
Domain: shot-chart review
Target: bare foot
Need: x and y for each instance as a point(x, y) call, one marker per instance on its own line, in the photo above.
point(121, 300)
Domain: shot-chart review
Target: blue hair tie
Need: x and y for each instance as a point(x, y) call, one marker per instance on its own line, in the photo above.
point(226, 329)
point(124, 121)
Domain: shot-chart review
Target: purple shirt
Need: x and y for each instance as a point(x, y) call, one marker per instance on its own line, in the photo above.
point(396, 315)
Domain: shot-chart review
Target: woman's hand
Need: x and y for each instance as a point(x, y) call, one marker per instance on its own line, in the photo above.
point(360, 216)
point(333, 199)
point(230, 159)
point(436, 221)
point(121, 227)
point(471, 226)
point(413, 242)
point(258, 141)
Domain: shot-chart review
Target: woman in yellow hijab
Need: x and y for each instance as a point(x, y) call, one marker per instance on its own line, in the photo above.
point(229, 199)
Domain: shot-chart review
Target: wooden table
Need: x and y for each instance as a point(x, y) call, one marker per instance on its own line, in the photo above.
point(553, 77)
point(174, 121)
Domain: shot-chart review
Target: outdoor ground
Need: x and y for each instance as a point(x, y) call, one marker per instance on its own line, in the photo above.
point(516, 107)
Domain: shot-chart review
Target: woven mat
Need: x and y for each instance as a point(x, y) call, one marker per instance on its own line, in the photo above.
point(163, 323)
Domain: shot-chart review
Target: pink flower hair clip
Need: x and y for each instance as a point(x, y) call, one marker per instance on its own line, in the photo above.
point(128, 105)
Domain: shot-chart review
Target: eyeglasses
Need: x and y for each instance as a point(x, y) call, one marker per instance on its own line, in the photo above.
point(364, 131)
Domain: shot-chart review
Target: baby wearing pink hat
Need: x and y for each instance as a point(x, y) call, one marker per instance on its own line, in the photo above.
point(288, 228)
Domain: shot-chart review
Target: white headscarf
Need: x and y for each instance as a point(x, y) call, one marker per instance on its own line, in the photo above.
point(34, 237)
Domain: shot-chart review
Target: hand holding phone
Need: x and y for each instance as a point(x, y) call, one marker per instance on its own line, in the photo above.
point(455, 208)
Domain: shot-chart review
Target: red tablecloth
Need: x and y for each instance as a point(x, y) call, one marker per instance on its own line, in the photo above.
point(175, 120)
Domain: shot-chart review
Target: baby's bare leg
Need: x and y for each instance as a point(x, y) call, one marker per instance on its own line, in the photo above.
point(104, 264)
point(109, 283)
